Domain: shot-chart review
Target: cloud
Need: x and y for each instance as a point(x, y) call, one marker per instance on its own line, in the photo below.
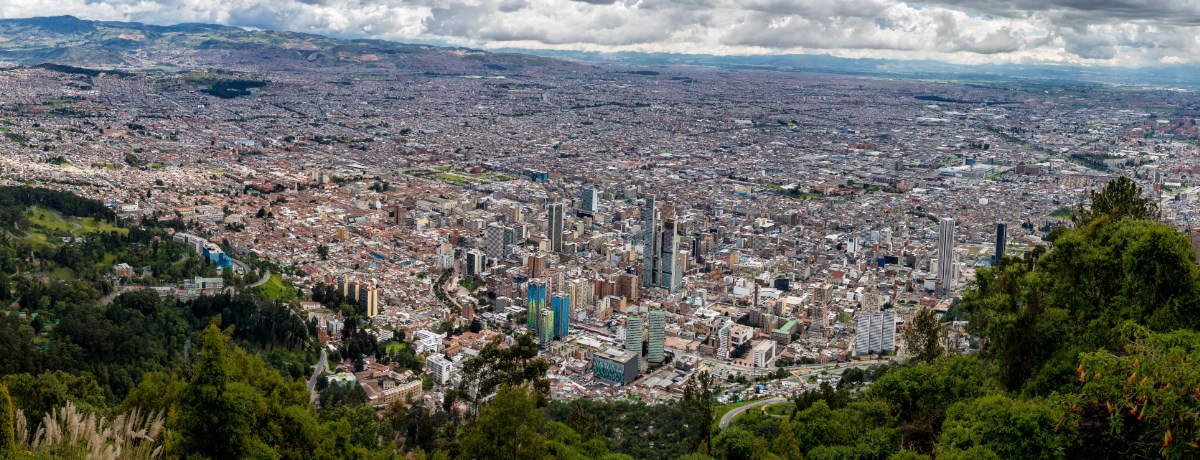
point(1103, 32)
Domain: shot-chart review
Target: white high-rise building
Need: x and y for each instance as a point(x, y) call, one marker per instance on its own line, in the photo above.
point(946, 272)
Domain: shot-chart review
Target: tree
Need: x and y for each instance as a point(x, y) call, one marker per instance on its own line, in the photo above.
point(734, 444)
point(8, 427)
point(1009, 428)
point(514, 365)
point(697, 411)
point(1121, 198)
point(507, 427)
point(1142, 400)
point(923, 336)
point(212, 422)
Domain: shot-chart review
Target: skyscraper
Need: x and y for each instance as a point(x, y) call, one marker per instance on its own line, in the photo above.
point(561, 305)
point(633, 333)
point(650, 250)
point(656, 325)
point(545, 331)
point(493, 241)
point(537, 303)
point(554, 226)
point(1001, 241)
point(946, 272)
point(672, 265)
point(661, 262)
point(589, 199)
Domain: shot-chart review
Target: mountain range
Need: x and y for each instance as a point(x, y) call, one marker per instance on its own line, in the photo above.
point(68, 40)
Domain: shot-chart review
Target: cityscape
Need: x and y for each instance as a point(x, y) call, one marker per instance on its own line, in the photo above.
point(642, 226)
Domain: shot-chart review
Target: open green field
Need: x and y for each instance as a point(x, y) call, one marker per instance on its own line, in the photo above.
point(278, 289)
point(780, 410)
point(45, 223)
point(454, 177)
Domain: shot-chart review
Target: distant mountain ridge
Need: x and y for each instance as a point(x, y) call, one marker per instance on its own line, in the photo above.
point(67, 40)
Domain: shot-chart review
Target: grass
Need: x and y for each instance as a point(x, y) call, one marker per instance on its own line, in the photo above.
point(1061, 213)
point(723, 409)
point(277, 289)
point(44, 219)
point(469, 285)
point(780, 410)
point(63, 273)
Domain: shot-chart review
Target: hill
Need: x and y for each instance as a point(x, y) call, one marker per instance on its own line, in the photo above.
point(70, 41)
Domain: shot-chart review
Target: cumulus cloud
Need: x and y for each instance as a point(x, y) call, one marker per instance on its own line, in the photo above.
point(1107, 32)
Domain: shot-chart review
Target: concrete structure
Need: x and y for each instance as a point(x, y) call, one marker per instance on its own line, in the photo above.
point(633, 333)
point(763, 353)
point(946, 271)
point(661, 265)
point(876, 333)
point(545, 327)
point(560, 304)
point(589, 200)
point(476, 262)
point(554, 226)
point(1001, 242)
point(536, 303)
point(656, 335)
point(615, 366)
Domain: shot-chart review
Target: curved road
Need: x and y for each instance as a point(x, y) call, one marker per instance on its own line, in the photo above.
point(312, 381)
point(729, 416)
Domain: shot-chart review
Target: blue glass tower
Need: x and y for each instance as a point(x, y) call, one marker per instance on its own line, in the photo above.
point(561, 305)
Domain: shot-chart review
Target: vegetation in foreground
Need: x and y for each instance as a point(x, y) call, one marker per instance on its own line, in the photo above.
point(1088, 350)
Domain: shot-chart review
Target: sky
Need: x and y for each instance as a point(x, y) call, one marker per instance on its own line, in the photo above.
point(1128, 33)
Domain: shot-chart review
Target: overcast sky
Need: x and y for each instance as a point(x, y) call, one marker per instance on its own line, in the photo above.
point(1107, 32)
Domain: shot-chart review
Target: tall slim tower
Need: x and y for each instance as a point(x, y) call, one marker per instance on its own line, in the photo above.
point(545, 331)
point(657, 335)
point(671, 277)
point(633, 333)
point(946, 272)
point(1001, 241)
point(555, 226)
point(537, 303)
point(561, 305)
point(651, 262)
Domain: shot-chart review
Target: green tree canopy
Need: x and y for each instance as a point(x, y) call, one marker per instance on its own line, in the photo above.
point(1121, 198)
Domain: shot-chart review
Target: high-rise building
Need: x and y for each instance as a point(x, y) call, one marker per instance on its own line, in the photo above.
point(364, 294)
point(672, 263)
point(1001, 242)
point(493, 241)
point(724, 337)
point(946, 267)
point(561, 305)
point(876, 333)
point(589, 199)
point(656, 337)
point(661, 263)
point(554, 228)
point(537, 303)
point(537, 265)
point(633, 333)
point(476, 261)
point(650, 251)
point(545, 331)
